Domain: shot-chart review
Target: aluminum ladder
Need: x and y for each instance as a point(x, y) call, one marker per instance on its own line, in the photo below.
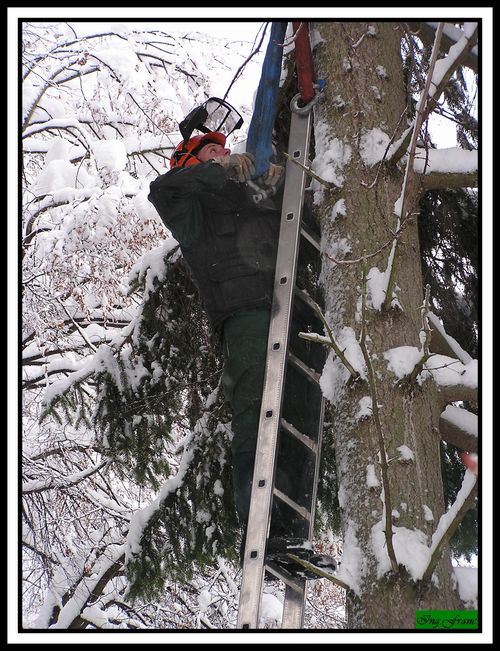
point(287, 364)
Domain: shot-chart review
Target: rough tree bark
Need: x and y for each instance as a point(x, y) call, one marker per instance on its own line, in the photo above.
point(366, 90)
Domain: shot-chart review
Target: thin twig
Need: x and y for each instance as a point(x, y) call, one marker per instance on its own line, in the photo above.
point(240, 69)
point(425, 337)
point(383, 160)
point(332, 343)
point(367, 256)
point(436, 554)
point(319, 572)
point(409, 172)
point(308, 170)
point(378, 426)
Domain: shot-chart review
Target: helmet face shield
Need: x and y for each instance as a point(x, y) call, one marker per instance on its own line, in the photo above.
point(213, 115)
point(221, 116)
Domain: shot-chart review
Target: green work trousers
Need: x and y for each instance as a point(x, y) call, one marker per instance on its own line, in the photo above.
point(245, 343)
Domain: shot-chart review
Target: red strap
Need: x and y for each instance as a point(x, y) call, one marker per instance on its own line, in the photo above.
point(304, 61)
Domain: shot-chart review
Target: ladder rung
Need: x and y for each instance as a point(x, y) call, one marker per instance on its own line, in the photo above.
point(288, 579)
point(305, 298)
point(306, 370)
point(310, 237)
point(312, 445)
point(296, 507)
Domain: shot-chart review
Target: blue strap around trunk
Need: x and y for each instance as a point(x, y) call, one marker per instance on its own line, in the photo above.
point(259, 142)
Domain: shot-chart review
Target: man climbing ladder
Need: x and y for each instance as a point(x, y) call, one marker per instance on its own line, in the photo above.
point(224, 210)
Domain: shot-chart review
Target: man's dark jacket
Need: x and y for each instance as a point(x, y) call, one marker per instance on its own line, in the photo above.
point(228, 242)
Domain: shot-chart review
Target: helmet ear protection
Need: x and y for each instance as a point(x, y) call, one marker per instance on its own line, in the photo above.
point(215, 118)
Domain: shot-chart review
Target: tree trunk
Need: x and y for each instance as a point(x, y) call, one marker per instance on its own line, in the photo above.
point(365, 90)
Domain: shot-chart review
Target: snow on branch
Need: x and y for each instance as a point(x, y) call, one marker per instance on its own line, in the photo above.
point(401, 207)
point(330, 342)
point(411, 546)
point(459, 427)
point(90, 588)
point(451, 167)
point(446, 168)
point(451, 36)
point(443, 344)
point(450, 521)
point(141, 517)
point(438, 76)
point(49, 483)
point(446, 66)
point(454, 380)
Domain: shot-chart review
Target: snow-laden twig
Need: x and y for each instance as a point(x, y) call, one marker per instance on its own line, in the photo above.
point(50, 483)
point(451, 36)
point(425, 338)
point(445, 67)
point(409, 171)
point(450, 521)
point(321, 573)
point(90, 588)
point(378, 425)
point(330, 341)
point(366, 256)
point(309, 172)
point(444, 344)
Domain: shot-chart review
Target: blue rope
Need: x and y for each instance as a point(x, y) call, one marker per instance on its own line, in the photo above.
point(260, 132)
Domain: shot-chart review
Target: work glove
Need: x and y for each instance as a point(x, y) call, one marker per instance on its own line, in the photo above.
point(237, 166)
point(273, 176)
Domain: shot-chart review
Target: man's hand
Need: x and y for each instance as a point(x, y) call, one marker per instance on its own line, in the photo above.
point(237, 166)
point(273, 176)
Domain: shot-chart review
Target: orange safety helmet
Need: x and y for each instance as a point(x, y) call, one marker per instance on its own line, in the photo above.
point(185, 152)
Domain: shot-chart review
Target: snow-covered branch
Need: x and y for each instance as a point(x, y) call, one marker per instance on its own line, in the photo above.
point(459, 427)
point(330, 342)
point(322, 574)
point(50, 483)
point(450, 521)
point(446, 168)
point(89, 588)
point(455, 381)
point(443, 344)
point(406, 197)
point(451, 36)
point(446, 66)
